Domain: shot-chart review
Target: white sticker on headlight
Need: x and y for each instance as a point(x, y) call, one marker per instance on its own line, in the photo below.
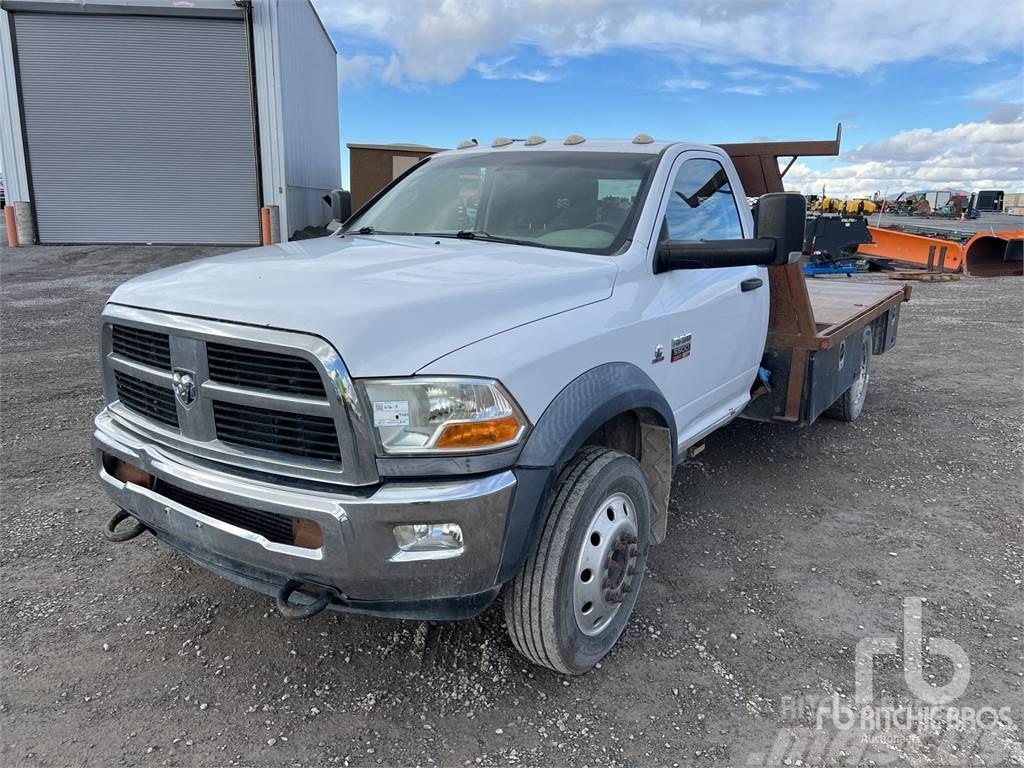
point(390, 413)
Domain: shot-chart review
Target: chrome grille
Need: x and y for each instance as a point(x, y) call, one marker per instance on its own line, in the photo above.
point(264, 370)
point(296, 434)
point(142, 346)
point(146, 399)
point(251, 398)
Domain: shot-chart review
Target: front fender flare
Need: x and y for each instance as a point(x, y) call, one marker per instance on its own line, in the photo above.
point(585, 404)
point(576, 413)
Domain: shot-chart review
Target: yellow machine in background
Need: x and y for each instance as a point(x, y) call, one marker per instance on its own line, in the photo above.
point(827, 205)
point(858, 206)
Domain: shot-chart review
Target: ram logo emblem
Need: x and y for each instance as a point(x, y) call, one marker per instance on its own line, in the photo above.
point(185, 386)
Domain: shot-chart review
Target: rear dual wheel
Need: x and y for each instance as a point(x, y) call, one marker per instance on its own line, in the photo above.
point(570, 603)
point(850, 404)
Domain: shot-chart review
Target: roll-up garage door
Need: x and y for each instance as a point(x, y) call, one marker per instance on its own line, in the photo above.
point(139, 128)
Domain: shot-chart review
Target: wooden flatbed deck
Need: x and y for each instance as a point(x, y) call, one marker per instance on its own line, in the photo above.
point(837, 305)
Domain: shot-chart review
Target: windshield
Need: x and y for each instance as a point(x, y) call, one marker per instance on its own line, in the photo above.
point(585, 201)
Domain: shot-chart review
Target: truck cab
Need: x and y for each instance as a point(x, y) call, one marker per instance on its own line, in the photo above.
point(481, 384)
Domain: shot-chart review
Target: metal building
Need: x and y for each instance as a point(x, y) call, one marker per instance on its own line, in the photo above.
point(162, 121)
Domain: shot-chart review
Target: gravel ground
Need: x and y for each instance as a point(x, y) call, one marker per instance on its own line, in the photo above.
point(785, 548)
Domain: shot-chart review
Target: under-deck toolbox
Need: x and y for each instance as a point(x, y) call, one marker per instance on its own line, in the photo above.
point(811, 354)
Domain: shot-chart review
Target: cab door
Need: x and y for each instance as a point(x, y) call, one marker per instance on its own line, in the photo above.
point(716, 318)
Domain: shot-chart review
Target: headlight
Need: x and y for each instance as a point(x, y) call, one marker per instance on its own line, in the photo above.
point(443, 415)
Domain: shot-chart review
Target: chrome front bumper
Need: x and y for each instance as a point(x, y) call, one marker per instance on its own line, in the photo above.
point(358, 558)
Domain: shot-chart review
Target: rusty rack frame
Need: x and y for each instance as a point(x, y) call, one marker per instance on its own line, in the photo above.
point(794, 335)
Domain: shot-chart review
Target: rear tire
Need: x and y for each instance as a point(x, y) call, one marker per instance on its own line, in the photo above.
point(571, 601)
point(850, 404)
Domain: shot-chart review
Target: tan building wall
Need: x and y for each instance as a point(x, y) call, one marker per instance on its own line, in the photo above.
point(1013, 200)
point(373, 166)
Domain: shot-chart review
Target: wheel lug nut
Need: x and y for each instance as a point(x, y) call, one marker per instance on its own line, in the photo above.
point(626, 588)
point(608, 584)
point(611, 564)
point(613, 597)
point(620, 546)
point(634, 552)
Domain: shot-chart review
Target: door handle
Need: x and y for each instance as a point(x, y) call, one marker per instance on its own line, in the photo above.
point(751, 284)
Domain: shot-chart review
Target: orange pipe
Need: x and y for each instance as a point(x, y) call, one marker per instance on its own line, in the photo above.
point(12, 227)
point(265, 225)
point(914, 249)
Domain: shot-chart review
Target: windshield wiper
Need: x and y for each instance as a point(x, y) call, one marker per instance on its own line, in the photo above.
point(468, 234)
point(371, 231)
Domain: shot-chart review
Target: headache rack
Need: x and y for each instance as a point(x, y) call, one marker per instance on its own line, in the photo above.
point(808, 322)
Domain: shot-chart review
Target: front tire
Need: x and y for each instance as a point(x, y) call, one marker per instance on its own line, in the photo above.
point(570, 603)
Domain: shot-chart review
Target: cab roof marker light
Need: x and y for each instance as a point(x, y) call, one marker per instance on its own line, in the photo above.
point(643, 138)
point(574, 138)
point(534, 140)
point(501, 141)
point(467, 144)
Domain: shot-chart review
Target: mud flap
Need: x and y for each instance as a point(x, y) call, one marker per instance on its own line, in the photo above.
point(656, 463)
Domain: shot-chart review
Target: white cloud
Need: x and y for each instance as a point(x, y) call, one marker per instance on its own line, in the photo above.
point(677, 84)
point(439, 40)
point(759, 82)
point(1004, 142)
point(358, 68)
point(501, 70)
point(969, 156)
point(1009, 89)
point(1006, 113)
point(746, 90)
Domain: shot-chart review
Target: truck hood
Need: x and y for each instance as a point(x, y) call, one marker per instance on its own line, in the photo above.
point(389, 305)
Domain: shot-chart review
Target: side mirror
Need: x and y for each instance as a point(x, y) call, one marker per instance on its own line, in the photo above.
point(779, 239)
point(781, 216)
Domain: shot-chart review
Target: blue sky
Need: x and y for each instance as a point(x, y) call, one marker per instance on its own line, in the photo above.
point(930, 94)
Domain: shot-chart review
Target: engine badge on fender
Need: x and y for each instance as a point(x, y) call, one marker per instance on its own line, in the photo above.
point(681, 347)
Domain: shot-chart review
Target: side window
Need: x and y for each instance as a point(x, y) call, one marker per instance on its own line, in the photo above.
point(701, 205)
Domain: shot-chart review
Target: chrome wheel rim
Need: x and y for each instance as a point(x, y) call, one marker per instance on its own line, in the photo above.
point(859, 388)
point(607, 566)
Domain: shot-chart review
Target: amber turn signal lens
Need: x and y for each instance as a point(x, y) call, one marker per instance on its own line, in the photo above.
point(479, 434)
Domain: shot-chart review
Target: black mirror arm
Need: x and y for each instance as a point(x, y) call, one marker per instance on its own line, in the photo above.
point(704, 254)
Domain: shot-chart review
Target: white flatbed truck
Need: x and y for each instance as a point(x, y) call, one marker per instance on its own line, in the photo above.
point(482, 384)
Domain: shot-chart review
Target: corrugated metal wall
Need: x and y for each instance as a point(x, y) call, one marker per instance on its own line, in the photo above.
point(268, 99)
point(12, 155)
point(139, 128)
point(309, 94)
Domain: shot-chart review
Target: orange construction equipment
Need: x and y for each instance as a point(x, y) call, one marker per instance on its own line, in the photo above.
point(995, 254)
point(934, 253)
point(987, 254)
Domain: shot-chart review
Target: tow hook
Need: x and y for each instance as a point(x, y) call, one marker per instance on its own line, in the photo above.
point(300, 610)
point(137, 528)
